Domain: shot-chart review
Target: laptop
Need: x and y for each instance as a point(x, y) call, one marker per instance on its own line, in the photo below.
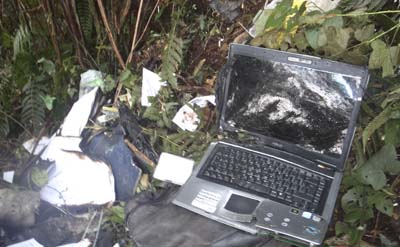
point(301, 111)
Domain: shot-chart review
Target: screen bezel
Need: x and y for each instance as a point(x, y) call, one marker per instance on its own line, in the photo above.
point(306, 61)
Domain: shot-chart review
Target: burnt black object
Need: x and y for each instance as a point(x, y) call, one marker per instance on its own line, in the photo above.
point(152, 219)
point(230, 9)
point(131, 124)
point(111, 148)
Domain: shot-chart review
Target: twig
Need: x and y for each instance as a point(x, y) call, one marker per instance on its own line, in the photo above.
point(147, 24)
point(109, 33)
point(98, 228)
point(125, 12)
point(88, 226)
point(140, 154)
point(129, 60)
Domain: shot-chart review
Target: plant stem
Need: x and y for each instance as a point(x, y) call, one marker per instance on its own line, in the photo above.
point(133, 46)
point(369, 41)
point(365, 13)
point(110, 35)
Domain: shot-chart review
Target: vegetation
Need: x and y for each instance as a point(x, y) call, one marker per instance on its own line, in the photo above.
point(45, 45)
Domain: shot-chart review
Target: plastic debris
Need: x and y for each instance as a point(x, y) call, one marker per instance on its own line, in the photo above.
point(174, 169)
point(151, 84)
point(186, 118)
point(33, 243)
point(8, 176)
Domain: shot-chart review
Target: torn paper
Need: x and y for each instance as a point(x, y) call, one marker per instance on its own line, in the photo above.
point(8, 176)
point(79, 114)
point(28, 243)
point(75, 179)
point(151, 84)
point(186, 118)
point(174, 169)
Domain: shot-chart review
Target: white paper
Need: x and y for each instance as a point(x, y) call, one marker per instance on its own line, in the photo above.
point(8, 176)
point(78, 116)
point(30, 144)
point(75, 179)
point(151, 84)
point(173, 168)
point(186, 118)
point(28, 243)
point(83, 243)
point(203, 100)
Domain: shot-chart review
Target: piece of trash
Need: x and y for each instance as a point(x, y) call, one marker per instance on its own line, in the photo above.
point(229, 9)
point(83, 243)
point(174, 169)
point(111, 148)
point(28, 243)
point(88, 81)
point(76, 179)
point(30, 145)
point(186, 118)
point(151, 84)
point(78, 116)
point(108, 114)
point(33, 243)
point(8, 176)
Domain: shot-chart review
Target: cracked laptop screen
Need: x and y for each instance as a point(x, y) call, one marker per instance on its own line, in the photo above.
point(304, 106)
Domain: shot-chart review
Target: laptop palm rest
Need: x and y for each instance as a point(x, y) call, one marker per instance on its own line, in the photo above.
point(239, 208)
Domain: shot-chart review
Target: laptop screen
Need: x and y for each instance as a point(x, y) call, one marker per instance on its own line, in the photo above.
point(304, 106)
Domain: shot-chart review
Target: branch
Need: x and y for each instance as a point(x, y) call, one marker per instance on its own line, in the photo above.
point(109, 33)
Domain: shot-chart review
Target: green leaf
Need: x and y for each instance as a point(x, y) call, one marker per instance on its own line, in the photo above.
point(385, 206)
point(152, 113)
point(372, 176)
point(392, 132)
point(260, 21)
point(365, 33)
point(312, 37)
point(351, 199)
point(395, 54)
point(341, 228)
point(336, 21)
point(381, 58)
point(39, 177)
point(300, 41)
point(48, 66)
point(376, 123)
point(116, 214)
point(277, 18)
point(48, 101)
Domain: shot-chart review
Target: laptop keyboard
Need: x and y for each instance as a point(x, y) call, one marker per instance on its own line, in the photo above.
point(268, 177)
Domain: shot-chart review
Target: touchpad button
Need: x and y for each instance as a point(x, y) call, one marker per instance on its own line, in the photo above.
point(241, 205)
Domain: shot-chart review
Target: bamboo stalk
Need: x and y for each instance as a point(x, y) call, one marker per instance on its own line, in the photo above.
point(109, 33)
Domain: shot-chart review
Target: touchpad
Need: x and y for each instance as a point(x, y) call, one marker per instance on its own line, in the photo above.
point(241, 205)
